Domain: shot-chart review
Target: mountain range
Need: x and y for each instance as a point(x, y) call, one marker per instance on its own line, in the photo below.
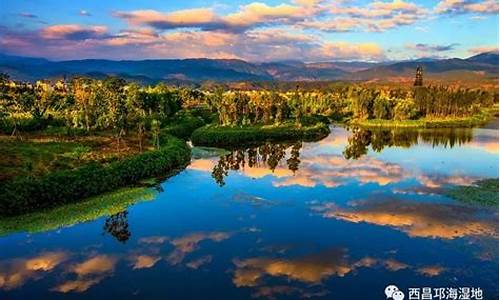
point(481, 66)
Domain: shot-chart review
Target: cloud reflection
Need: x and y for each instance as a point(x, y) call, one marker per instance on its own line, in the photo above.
point(417, 219)
point(15, 273)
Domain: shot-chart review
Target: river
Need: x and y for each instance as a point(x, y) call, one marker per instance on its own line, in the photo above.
point(340, 218)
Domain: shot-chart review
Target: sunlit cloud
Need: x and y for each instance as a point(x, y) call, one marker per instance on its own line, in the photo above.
point(482, 49)
point(73, 32)
point(467, 6)
point(376, 16)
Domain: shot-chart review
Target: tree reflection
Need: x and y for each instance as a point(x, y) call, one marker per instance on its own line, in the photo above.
point(362, 139)
point(117, 226)
point(268, 155)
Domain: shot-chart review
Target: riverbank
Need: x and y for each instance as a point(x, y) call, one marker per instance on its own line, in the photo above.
point(28, 193)
point(74, 213)
point(479, 119)
point(223, 136)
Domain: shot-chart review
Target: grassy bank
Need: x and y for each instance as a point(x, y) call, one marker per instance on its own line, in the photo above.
point(74, 213)
point(446, 122)
point(482, 192)
point(28, 193)
point(220, 136)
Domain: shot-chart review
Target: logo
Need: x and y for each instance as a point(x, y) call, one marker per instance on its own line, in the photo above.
point(393, 292)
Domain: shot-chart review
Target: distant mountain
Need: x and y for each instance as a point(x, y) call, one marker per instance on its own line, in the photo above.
point(182, 71)
point(484, 65)
point(485, 58)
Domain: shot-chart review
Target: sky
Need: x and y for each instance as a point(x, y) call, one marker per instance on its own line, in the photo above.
point(257, 31)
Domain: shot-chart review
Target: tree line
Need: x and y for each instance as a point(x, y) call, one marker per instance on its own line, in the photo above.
point(113, 103)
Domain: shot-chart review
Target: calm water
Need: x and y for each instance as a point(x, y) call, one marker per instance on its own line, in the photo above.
point(336, 219)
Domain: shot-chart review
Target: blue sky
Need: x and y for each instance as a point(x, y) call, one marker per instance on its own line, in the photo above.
point(308, 30)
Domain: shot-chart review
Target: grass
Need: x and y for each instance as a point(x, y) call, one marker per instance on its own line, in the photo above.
point(446, 122)
point(24, 194)
point(74, 213)
point(38, 153)
point(482, 192)
point(222, 136)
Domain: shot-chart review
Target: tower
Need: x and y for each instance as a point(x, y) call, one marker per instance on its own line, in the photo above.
point(419, 77)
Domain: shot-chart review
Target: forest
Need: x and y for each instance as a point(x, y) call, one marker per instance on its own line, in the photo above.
point(87, 104)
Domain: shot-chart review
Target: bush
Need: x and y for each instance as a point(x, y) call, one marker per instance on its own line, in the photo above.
point(220, 136)
point(183, 125)
point(29, 193)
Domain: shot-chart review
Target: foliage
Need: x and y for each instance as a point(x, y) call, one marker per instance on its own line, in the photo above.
point(482, 192)
point(28, 193)
point(213, 135)
point(183, 124)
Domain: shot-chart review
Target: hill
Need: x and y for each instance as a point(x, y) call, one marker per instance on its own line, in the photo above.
point(185, 71)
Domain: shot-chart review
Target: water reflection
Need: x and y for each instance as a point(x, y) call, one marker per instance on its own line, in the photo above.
point(117, 226)
point(267, 155)
point(292, 221)
point(88, 273)
point(417, 219)
point(16, 272)
point(361, 139)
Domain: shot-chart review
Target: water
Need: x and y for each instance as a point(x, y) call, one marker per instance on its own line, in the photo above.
point(336, 219)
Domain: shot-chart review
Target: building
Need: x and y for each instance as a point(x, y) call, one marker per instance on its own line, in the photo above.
point(419, 77)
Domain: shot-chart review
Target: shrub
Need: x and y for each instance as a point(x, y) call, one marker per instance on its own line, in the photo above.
point(220, 136)
point(29, 193)
point(183, 125)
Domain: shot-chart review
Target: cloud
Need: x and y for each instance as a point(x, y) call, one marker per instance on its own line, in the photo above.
point(73, 32)
point(376, 16)
point(28, 15)
point(189, 18)
point(467, 6)
point(483, 49)
point(84, 13)
point(248, 17)
point(155, 240)
point(421, 47)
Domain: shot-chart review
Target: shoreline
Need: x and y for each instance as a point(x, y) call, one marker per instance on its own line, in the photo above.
point(27, 194)
point(230, 136)
point(476, 120)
